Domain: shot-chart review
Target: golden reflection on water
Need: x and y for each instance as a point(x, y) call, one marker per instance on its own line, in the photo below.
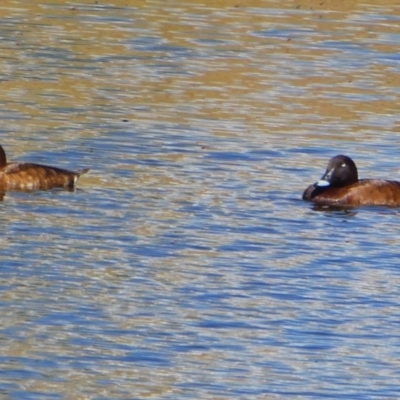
point(244, 77)
point(252, 78)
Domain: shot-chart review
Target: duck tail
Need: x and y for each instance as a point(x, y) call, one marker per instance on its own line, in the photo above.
point(80, 172)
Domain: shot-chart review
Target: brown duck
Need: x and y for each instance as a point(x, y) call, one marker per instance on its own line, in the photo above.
point(27, 176)
point(340, 186)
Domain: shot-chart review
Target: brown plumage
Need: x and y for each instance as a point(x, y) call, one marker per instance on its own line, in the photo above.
point(340, 186)
point(27, 176)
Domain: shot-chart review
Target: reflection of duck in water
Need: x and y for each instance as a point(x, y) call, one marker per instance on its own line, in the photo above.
point(27, 176)
point(340, 186)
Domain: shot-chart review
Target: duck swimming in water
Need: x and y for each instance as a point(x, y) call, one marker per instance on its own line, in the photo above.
point(340, 186)
point(29, 176)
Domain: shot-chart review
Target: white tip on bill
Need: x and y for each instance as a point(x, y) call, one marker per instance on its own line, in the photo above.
point(323, 183)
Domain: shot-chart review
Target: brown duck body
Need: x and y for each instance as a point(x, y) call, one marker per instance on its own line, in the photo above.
point(27, 176)
point(371, 192)
point(340, 186)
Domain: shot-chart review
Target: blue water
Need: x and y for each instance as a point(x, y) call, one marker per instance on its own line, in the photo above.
point(186, 265)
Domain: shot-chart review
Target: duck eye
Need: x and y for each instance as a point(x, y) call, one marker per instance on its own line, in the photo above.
point(343, 165)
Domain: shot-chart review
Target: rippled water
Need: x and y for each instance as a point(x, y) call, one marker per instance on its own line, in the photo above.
point(185, 265)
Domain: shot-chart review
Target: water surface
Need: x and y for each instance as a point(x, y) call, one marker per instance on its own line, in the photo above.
point(185, 265)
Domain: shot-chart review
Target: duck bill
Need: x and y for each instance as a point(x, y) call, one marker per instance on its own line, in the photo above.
point(326, 179)
point(322, 183)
